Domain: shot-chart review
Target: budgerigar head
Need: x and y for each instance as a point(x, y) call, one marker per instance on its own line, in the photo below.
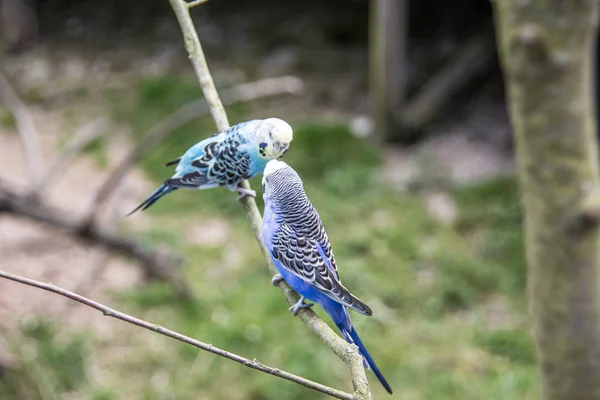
point(273, 136)
point(280, 182)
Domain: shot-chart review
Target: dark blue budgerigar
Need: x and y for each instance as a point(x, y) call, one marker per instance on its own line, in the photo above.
point(295, 237)
point(224, 159)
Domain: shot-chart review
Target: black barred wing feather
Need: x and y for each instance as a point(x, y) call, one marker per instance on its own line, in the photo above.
point(326, 246)
point(303, 256)
point(218, 164)
point(312, 226)
point(223, 163)
point(230, 166)
point(190, 180)
point(195, 174)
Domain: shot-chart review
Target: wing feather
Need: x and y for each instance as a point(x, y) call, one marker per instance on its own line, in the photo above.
point(191, 180)
point(306, 258)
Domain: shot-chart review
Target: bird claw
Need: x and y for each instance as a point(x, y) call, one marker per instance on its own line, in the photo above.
point(244, 193)
point(276, 279)
point(300, 304)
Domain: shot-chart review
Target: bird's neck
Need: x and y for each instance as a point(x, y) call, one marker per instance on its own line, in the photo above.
point(257, 165)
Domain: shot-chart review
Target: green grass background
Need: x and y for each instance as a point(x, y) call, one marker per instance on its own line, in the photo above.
point(449, 317)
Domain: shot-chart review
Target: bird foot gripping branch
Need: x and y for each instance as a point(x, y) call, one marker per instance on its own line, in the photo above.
point(244, 193)
point(300, 304)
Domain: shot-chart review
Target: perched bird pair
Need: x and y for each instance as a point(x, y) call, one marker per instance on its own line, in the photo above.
point(292, 229)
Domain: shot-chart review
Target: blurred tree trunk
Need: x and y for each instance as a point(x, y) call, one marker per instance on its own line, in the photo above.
point(18, 23)
point(546, 48)
point(388, 27)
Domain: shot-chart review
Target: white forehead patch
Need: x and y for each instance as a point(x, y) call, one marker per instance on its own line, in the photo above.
point(273, 166)
point(282, 131)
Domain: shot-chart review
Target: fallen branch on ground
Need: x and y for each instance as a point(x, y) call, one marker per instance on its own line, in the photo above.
point(26, 128)
point(75, 145)
point(100, 260)
point(109, 312)
point(156, 264)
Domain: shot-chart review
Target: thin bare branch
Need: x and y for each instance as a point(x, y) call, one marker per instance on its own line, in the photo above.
point(347, 352)
point(194, 48)
point(195, 3)
point(156, 264)
point(26, 128)
point(184, 115)
point(110, 312)
point(76, 143)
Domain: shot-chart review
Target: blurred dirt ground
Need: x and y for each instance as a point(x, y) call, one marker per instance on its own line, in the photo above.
point(43, 253)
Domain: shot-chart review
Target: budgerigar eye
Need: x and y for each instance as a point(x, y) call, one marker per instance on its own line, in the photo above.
point(271, 135)
point(262, 145)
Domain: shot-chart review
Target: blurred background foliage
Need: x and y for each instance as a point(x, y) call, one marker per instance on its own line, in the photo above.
point(450, 318)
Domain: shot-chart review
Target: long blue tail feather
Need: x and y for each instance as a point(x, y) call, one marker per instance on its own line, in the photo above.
point(153, 197)
point(353, 335)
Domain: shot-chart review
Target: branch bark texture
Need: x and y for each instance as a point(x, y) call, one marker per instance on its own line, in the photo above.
point(546, 53)
point(109, 312)
point(347, 352)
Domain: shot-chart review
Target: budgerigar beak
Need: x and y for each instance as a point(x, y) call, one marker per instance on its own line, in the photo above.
point(281, 148)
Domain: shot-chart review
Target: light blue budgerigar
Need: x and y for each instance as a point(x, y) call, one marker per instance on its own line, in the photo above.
point(224, 159)
point(295, 237)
